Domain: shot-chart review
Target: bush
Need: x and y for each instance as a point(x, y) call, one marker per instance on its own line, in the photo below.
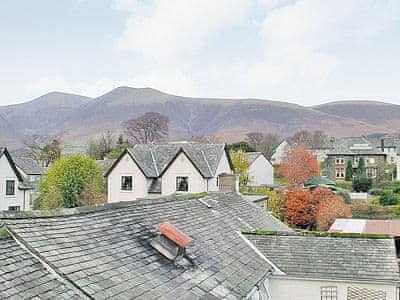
point(396, 189)
point(362, 184)
point(371, 211)
point(376, 192)
point(346, 185)
point(344, 194)
point(388, 198)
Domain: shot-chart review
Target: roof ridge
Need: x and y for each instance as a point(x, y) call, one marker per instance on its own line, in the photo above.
point(205, 158)
point(154, 162)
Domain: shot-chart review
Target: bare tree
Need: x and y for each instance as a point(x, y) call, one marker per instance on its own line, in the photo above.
point(99, 148)
point(255, 139)
point(302, 138)
point(205, 139)
point(319, 139)
point(43, 149)
point(269, 143)
point(148, 128)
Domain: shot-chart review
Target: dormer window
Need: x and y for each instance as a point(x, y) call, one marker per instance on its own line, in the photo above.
point(182, 184)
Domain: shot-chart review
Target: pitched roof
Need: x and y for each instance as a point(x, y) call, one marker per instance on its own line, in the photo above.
point(105, 250)
point(154, 159)
point(315, 181)
point(354, 146)
point(391, 227)
point(331, 257)
point(105, 164)
point(4, 151)
point(23, 277)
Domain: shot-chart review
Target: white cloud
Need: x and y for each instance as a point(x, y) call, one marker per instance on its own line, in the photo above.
point(168, 29)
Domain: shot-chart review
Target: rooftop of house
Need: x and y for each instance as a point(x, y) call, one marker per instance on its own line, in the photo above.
point(105, 250)
point(347, 257)
point(354, 146)
point(23, 277)
point(105, 164)
point(252, 156)
point(154, 159)
point(391, 227)
point(26, 163)
point(317, 181)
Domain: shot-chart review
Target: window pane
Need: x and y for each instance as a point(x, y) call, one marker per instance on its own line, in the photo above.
point(182, 184)
point(126, 183)
point(10, 187)
point(13, 208)
point(328, 293)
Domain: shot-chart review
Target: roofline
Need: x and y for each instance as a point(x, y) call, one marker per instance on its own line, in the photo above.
point(228, 155)
point(126, 151)
point(342, 279)
point(12, 163)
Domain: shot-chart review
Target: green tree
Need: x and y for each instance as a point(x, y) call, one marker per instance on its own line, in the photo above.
point(362, 184)
point(70, 177)
point(361, 167)
point(241, 166)
point(277, 204)
point(349, 171)
point(241, 146)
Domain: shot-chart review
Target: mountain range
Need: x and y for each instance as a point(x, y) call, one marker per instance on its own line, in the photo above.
point(79, 117)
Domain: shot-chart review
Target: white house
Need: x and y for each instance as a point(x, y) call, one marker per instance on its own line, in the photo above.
point(14, 192)
point(279, 152)
point(342, 268)
point(164, 169)
point(261, 171)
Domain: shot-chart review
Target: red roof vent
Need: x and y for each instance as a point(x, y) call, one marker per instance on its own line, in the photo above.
point(174, 234)
point(171, 242)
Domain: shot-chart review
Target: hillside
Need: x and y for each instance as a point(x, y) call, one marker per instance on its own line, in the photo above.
point(80, 117)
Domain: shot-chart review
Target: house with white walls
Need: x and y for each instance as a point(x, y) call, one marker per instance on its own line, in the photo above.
point(14, 190)
point(279, 153)
point(261, 171)
point(165, 169)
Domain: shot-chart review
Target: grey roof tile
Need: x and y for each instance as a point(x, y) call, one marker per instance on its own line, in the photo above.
point(330, 257)
point(106, 252)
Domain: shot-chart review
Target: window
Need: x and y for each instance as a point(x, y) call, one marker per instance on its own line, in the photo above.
point(13, 208)
point(371, 172)
point(340, 160)
point(10, 187)
point(126, 183)
point(182, 184)
point(329, 293)
point(340, 172)
point(354, 293)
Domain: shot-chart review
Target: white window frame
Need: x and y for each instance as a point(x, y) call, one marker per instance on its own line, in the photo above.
point(339, 160)
point(15, 188)
point(188, 183)
point(120, 183)
point(341, 171)
point(329, 292)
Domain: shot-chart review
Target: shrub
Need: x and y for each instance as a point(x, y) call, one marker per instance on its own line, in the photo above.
point(346, 185)
point(371, 211)
point(362, 184)
point(376, 192)
point(344, 194)
point(388, 198)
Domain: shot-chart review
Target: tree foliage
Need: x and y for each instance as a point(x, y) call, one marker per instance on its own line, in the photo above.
point(241, 166)
point(311, 209)
point(107, 146)
point(349, 171)
point(43, 149)
point(151, 127)
point(241, 146)
point(277, 204)
point(265, 143)
point(298, 165)
point(361, 167)
point(69, 178)
point(362, 184)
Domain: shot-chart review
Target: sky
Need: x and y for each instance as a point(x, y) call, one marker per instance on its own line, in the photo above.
point(306, 51)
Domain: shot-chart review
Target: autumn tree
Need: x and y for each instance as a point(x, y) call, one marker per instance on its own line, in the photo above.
point(241, 166)
point(43, 149)
point(301, 208)
point(150, 127)
point(277, 204)
point(314, 209)
point(329, 209)
point(298, 165)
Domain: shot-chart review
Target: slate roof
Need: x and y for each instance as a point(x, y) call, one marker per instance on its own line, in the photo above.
point(345, 146)
point(252, 156)
point(24, 277)
point(154, 159)
point(105, 250)
point(26, 163)
point(105, 164)
point(331, 257)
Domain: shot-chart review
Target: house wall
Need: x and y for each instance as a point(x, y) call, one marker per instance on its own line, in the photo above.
point(300, 289)
point(128, 167)
point(261, 172)
point(182, 167)
point(7, 173)
point(223, 167)
point(378, 164)
point(279, 152)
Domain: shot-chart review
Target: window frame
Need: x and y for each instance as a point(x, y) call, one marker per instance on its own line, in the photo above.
point(176, 184)
point(14, 188)
point(15, 208)
point(339, 160)
point(126, 190)
point(329, 292)
point(341, 171)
